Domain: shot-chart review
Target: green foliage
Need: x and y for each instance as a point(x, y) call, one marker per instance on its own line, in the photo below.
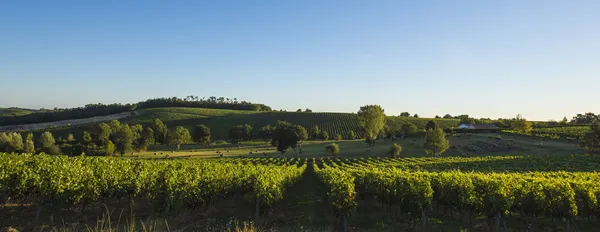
point(110, 148)
point(332, 149)
point(11, 142)
point(431, 125)
point(409, 129)
point(372, 120)
point(338, 137)
point(165, 184)
point(315, 133)
point(301, 132)
point(591, 141)
point(123, 138)
point(521, 125)
point(101, 133)
point(201, 134)
point(286, 135)
point(325, 135)
point(266, 132)
point(241, 133)
point(352, 135)
point(395, 150)
point(86, 138)
point(46, 140)
point(160, 131)
point(146, 139)
point(180, 135)
point(436, 142)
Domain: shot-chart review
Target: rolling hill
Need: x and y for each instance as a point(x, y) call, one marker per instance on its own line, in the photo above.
point(12, 112)
point(220, 121)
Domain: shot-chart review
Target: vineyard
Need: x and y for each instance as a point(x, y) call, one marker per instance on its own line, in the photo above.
point(567, 132)
point(63, 182)
point(501, 192)
point(500, 189)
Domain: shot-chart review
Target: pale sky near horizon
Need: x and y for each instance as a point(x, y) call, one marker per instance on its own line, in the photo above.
point(482, 58)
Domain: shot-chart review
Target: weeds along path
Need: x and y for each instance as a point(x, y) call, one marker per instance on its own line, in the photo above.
point(305, 204)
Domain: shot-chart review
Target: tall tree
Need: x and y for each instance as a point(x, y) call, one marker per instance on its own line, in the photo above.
point(123, 139)
point(160, 131)
point(404, 114)
point(315, 133)
point(436, 142)
point(146, 139)
point(201, 134)
point(236, 133)
point(447, 116)
point(29, 146)
point(520, 124)
point(46, 140)
point(180, 135)
point(110, 148)
point(247, 132)
point(416, 116)
point(372, 120)
point(101, 133)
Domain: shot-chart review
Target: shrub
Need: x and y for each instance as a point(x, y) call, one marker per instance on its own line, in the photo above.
point(332, 149)
point(395, 150)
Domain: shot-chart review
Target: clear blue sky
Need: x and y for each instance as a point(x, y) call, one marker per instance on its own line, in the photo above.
point(483, 58)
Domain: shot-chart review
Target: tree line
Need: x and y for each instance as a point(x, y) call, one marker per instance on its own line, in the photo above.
point(92, 110)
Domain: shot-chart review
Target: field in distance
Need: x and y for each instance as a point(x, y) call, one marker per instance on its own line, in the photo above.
point(463, 145)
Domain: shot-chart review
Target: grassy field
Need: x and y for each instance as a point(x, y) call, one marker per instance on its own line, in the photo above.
point(220, 121)
point(10, 112)
point(464, 146)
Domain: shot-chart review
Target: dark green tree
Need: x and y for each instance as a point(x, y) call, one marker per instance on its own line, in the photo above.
point(123, 139)
point(201, 134)
point(146, 139)
point(160, 131)
point(101, 133)
point(286, 135)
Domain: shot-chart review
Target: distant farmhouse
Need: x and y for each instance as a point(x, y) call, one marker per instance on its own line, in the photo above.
point(480, 127)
